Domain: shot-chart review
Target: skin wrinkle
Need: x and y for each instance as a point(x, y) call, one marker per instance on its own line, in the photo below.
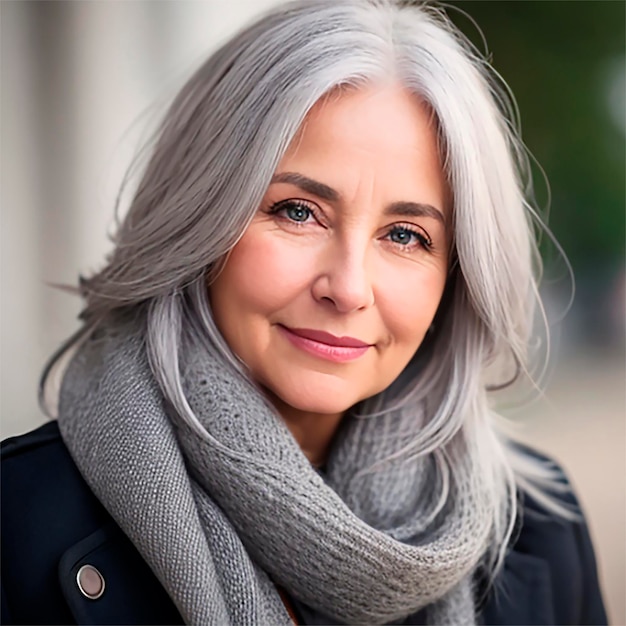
point(324, 192)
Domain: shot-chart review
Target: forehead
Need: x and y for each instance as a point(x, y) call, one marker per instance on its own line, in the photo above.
point(379, 139)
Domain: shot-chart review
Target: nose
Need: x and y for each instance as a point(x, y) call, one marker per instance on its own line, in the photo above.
point(345, 280)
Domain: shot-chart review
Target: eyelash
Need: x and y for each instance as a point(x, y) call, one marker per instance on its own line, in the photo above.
point(279, 207)
point(421, 237)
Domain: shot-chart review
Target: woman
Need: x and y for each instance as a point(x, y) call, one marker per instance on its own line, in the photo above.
point(278, 398)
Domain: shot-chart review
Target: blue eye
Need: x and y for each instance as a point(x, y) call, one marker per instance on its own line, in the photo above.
point(294, 212)
point(297, 212)
point(407, 237)
point(401, 235)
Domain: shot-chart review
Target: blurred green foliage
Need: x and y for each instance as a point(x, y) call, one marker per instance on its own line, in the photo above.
point(564, 61)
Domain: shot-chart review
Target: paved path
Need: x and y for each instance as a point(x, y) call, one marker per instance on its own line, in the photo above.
point(582, 423)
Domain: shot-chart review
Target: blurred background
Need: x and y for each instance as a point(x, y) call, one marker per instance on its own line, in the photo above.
point(83, 83)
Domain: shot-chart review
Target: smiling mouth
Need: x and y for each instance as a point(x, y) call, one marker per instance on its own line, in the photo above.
point(324, 345)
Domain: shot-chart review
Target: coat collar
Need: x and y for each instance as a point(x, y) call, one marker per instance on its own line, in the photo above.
point(521, 593)
point(132, 594)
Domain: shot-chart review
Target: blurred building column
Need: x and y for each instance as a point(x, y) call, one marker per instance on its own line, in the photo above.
point(83, 84)
point(20, 193)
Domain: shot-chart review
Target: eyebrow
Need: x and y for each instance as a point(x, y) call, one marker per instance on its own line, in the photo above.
point(324, 192)
point(309, 185)
point(415, 209)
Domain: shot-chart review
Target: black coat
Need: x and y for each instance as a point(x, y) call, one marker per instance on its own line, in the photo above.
point(52, 525)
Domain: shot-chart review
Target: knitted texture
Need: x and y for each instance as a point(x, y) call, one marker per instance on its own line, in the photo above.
point(224, 508)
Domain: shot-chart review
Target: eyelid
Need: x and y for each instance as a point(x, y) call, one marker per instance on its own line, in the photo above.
point(316, 212)
point(420, 230)
point(424, 240)
point(275, 206)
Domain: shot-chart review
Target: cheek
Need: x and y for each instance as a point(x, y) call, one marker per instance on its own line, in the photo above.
point(263, 273)
point(408, 302)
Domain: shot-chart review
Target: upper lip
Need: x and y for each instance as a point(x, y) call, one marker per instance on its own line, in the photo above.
point(331, 340)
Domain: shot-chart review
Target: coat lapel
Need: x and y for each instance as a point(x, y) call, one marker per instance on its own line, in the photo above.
point(132, 594)
point(522, 593)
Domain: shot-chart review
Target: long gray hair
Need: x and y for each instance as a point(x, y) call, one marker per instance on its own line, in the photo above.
point(212, 162)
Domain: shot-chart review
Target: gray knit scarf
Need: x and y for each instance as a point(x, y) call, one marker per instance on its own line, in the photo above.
point(226, 509)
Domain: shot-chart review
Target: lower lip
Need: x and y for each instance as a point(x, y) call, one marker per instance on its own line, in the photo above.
point(337, 354)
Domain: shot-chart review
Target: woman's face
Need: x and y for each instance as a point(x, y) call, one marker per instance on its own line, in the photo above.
point(334, 284)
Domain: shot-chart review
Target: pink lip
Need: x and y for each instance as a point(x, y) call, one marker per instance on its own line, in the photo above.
point(321, 337)
point(325, 345)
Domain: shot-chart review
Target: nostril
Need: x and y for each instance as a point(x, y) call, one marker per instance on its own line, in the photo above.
point(347, 288)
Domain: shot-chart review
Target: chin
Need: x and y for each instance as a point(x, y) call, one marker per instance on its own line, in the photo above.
point(323, 408)
point(324, 401)
point(315, 392)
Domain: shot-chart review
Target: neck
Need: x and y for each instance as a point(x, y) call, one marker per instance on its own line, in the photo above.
point(313, 431)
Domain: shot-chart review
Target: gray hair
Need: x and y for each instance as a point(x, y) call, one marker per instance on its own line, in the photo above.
point(212, 162)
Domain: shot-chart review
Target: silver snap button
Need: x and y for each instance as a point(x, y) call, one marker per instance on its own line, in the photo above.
point(90, 582)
